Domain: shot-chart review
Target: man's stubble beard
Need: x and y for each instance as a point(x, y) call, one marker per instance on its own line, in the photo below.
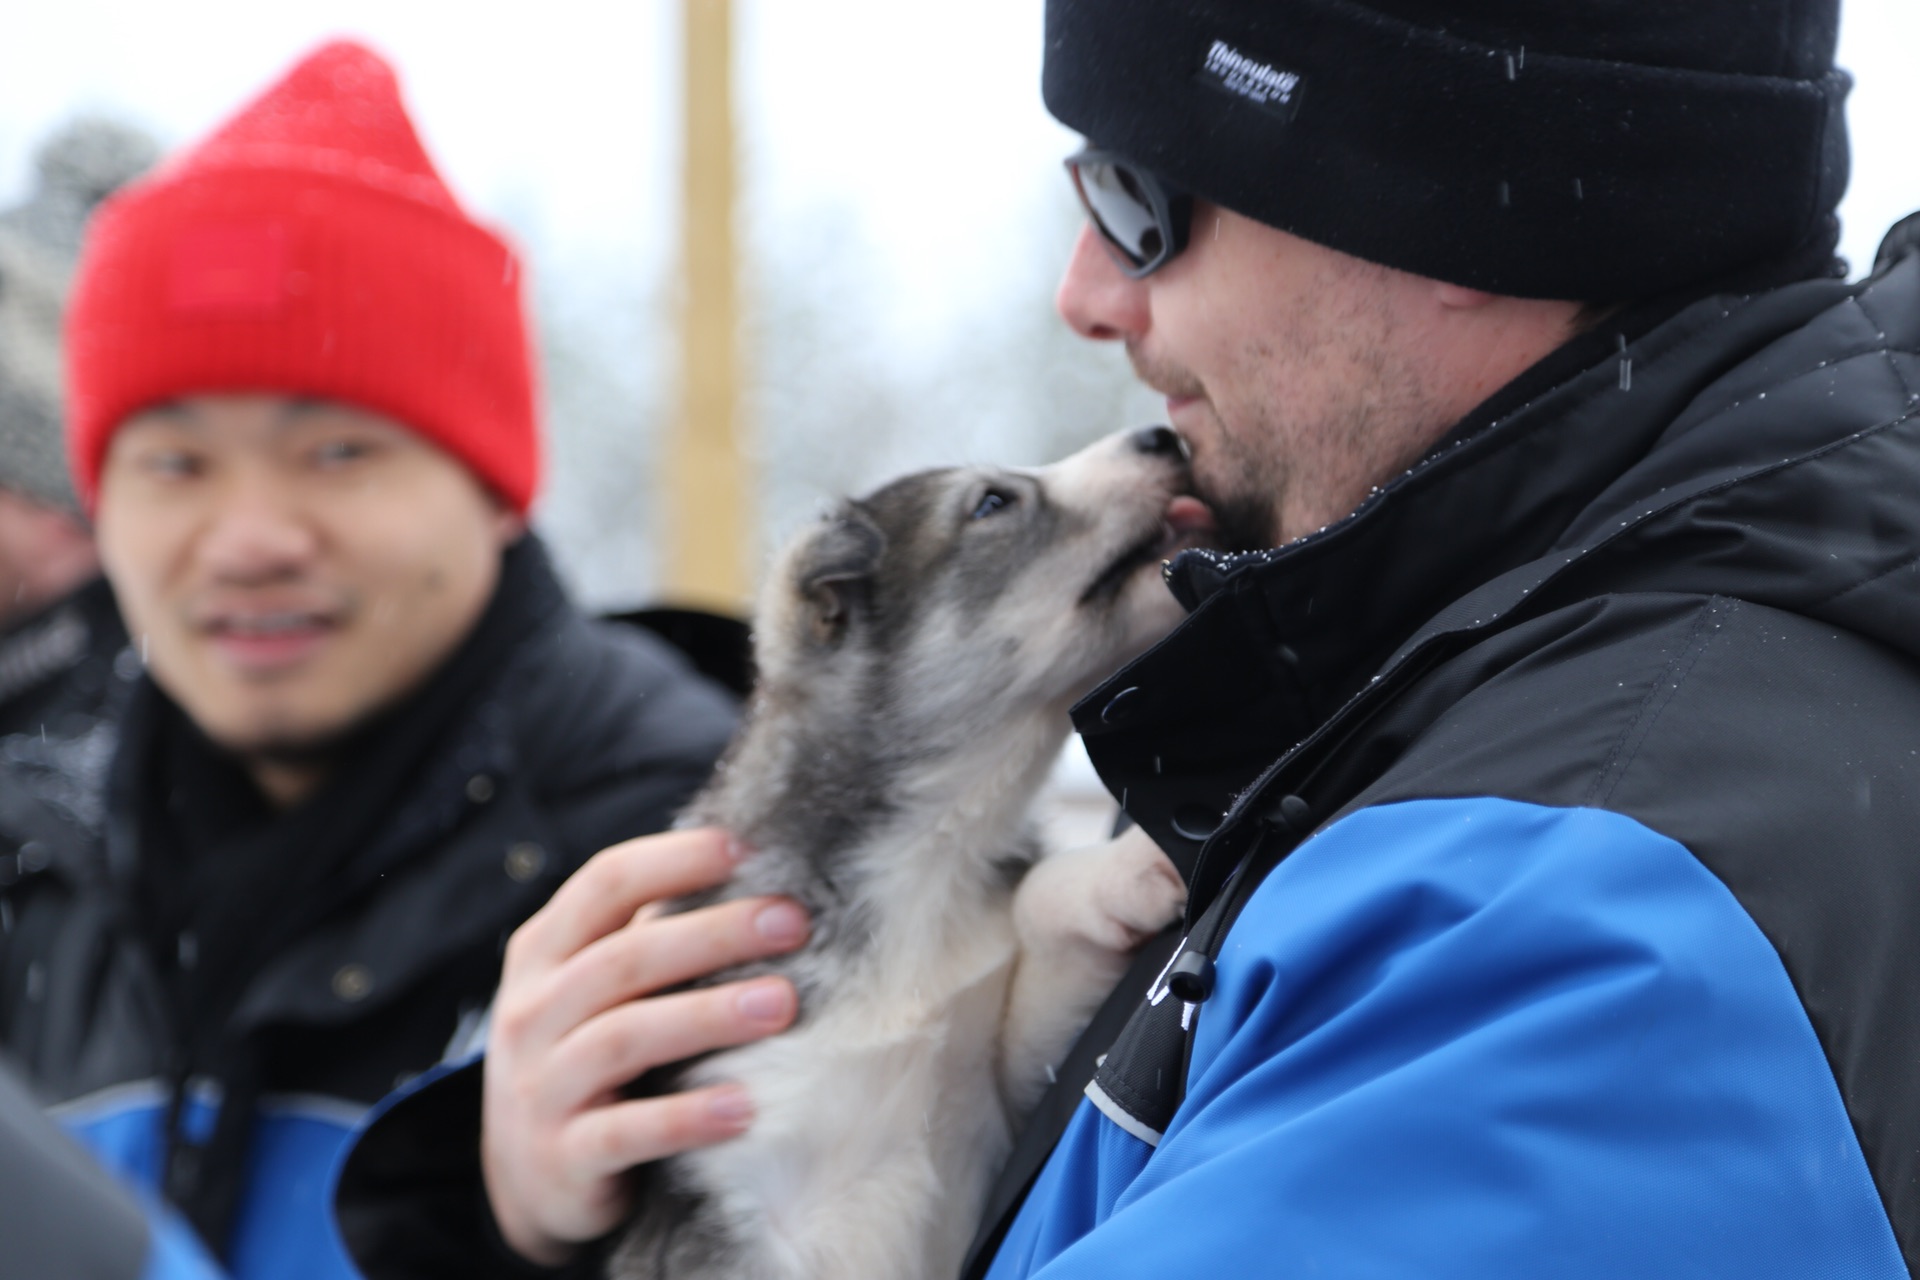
point(283, 741)
point(1275, 464)
point(1240, 484)
point(290, 749)
point(1239, 487)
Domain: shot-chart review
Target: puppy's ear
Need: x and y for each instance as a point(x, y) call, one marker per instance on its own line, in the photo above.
point(835, 565)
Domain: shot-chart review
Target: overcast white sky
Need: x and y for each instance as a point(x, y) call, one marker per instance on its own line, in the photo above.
point(923, 123)
point(919, 124)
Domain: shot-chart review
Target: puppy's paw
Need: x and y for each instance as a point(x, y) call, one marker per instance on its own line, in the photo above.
point(1142, 893)
point(1110, 897)
point(1080, 916)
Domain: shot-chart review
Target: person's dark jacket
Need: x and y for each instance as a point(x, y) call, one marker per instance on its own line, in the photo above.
point(215, 992)
point(1573, 786)
point(66, 674)
point(62, 1214)
point(63, 670)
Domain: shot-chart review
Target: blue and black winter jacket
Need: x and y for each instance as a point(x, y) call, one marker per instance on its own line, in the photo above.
point(222, 1059)
point(1553, 830)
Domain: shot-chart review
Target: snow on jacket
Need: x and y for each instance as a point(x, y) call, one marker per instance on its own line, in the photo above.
point(581, 734)
point(65, 674)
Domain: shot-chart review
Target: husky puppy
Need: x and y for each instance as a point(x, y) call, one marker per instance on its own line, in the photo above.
point(918, 651)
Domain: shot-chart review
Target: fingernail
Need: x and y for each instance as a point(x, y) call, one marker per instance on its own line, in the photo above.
point(731, 1106)
point(736, 849)
point(781, 924)
point(765, 1001)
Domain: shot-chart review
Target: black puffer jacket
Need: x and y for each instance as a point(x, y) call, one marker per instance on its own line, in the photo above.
point(137, 1000)
point(64, 674)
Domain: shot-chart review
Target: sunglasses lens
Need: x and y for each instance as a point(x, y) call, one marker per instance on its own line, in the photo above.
point(1121, 209)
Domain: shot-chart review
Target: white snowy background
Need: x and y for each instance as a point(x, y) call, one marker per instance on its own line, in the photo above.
point(904, 216)
point(903, 211)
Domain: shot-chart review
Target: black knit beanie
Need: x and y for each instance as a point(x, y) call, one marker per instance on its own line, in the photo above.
point(1597, 150)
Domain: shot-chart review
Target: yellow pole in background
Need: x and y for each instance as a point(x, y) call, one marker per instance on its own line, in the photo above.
point(705, 474)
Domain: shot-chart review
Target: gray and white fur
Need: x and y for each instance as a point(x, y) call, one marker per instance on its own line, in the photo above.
point(918, 651)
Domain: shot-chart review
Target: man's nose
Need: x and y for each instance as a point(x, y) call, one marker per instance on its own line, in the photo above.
point(1096, 299)
point(255, 534)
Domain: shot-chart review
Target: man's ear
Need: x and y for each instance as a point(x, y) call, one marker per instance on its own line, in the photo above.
point(509, 526)
point(835, 566)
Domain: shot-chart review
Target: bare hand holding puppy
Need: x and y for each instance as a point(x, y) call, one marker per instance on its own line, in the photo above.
point(576, 1018)
point(917, 651)
point(559, 1137)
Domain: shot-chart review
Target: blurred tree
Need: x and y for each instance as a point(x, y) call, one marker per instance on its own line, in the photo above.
point(840, 404)
point(602, 340)
point(836, 400)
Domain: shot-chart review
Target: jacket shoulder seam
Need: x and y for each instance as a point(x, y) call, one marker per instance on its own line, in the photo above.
point(1665, 686)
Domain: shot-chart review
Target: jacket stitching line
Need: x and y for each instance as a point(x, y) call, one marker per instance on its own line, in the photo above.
point(1906, 562)
point(1844, 355)
point(1787, 380)
point(1860, 305)
point(1887, 353)
point(1840, 593)
point(1129, 1099)
point(1886, 349)
point(1879, 347)
point(1768, 471)
point(1652, 706)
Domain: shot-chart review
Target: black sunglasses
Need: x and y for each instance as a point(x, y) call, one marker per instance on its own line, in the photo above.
point(1143, 218)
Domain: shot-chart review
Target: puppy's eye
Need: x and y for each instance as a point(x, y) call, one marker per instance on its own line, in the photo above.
point(993, 500)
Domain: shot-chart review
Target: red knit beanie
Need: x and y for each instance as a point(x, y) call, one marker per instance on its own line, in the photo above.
point(307, 248)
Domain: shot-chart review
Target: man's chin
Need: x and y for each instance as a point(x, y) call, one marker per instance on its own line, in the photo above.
point(1246, 518)
point(1242, 522)
point(294, 752)
point(284, 741)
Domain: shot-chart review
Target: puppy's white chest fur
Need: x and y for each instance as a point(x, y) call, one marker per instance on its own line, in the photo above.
point(870, 1120)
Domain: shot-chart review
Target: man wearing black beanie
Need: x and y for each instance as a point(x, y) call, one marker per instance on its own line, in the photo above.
point(1540, 754)
point(1540, 757)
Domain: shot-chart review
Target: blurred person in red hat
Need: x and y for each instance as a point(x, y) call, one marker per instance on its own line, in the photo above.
point(372, 733)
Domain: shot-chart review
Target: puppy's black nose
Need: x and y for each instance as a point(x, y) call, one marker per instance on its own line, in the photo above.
point(1159, 440)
